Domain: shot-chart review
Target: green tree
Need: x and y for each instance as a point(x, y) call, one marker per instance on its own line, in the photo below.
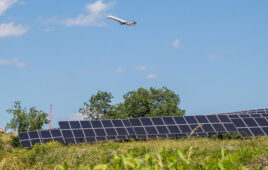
point(23, 121)
point(140, 103)
point(98, 106)
point(152, 102)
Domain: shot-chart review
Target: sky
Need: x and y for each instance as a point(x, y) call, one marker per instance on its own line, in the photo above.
point(212, 53)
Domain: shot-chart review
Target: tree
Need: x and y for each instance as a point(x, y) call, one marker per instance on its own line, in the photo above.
point(151, 103)
point(140, 103)
point(98, 106)
point(23, 120)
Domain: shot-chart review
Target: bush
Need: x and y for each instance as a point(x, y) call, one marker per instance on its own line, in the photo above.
point(14, 141)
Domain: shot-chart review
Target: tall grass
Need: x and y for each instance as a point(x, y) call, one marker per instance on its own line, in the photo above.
point(190, 153)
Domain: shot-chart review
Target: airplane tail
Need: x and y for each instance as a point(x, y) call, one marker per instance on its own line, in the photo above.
point(134, 23)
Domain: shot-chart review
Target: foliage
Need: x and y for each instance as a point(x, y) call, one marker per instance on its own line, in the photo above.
point(189, 153)
point(98, 106)
point(23, 121)
point(140, 103)
point(152, 102)
point(14, 141)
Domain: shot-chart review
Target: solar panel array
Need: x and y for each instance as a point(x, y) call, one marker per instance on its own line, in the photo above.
point(247, 123)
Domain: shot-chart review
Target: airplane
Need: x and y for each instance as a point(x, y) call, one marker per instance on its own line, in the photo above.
point(122, 22)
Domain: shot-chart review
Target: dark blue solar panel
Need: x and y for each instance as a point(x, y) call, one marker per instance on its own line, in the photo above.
point(207, 128)
point(100, 132)
point(107, 123)
point(111, 137)
point(190, 119)
point(198, 129)
point(162, 129)
point(135, 122)
point(245, 132)
point(230, 127)
point(121, 131)
point(118, 123)
point(265, 130)
point(89, 132)
point(101, 139)
point(126, 123)
point(69, 141)
point(26, 144)
point(261, 121)
point(224, 118)
point(179, 120)
point(250, 122)
point(45, 134)
point(157, 121)
point(238, 122)
point(110, 132)
point(130, 131)
point(33, 134)
point(85, 124)
point(150, 130)
point(91, 139)
point(146, 121)
point(78, 133)
point(55, 132)
point(96, 123)
point(256, 131)
point(67, 133)
point(233, 116)
point(23, 135)
point(213, 118)
point(173, 129)
point(255, 115)
point(201, 119)
point(184, 128)
point(168, 120)
point(64, 125)
point(139, 131)
point(121, 137)
point(75, 125)
point(244, 115)
point(218, 127)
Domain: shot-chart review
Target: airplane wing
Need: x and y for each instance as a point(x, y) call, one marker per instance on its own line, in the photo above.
point(117, 19)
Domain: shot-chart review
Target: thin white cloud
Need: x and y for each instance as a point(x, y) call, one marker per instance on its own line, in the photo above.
point(151, 76)
point(9, 29)
point(176, 43)
point(212, 56)
point(93, 17)
point(48, 30)
point(140, 68)
point(14, 61)
point(120, 70)
point(5, 4)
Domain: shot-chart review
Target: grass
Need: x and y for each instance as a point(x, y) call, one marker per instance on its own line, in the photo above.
point(188, 153)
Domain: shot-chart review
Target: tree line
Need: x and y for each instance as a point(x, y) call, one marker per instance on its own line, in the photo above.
point(142, 102)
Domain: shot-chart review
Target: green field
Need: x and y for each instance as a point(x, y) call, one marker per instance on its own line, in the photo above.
point(189, 153)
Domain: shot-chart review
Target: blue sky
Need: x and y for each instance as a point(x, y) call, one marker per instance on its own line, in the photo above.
point(212, 53)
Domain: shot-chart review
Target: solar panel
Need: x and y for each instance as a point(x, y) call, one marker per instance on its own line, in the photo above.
point(96, 124)
point(85, 124)
point(107, 123)
point(202, 119)
point(247, 123)
point(75, 125)
point(168, 120)
point(190, 119)
point(146, 121)
point(157, 121)
point(180, 120)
